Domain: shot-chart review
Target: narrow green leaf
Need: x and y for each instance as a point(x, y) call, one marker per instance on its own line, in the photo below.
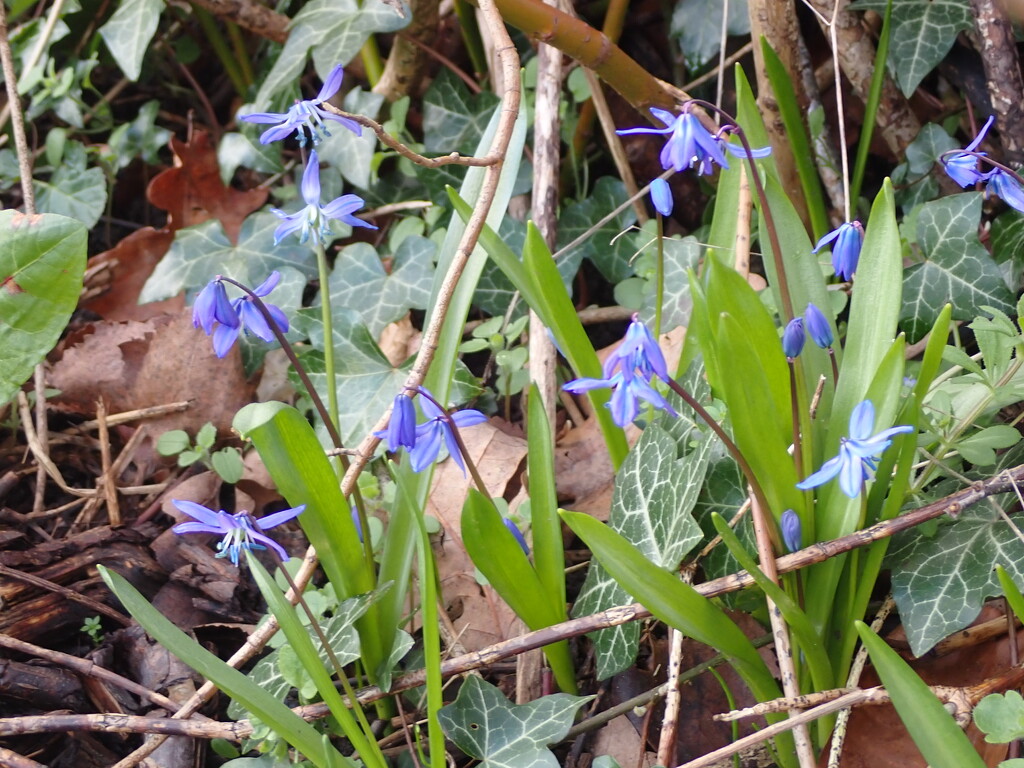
point(548, 550)
point(1011, 592)
point(682, 607)
point(285, 723)
point(941, 741)
point(499, 557)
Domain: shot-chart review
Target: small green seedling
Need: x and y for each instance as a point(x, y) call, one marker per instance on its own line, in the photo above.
point(93, 628)
point(227, 462)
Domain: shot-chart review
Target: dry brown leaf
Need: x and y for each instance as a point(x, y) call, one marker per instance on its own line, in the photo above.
point(483, 618)
point(163, 360)
point(399, 341)
point(191, 192)
point(621, 740)
point(122, 272)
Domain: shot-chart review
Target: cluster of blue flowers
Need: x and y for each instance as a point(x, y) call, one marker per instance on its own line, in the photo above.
point(637, 359)
point(225, 319)
point(813, 324)
point(423, 441)
point(689, 145)
point(964, 168)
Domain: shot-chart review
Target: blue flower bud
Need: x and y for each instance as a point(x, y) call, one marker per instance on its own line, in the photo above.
point(791, 533)
point(402, 427)
point(520, 539)
point(661, 196)
point(817, 327)
point(793, 338)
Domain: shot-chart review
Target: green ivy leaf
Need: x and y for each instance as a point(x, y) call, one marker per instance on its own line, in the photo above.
point(201, 252)
point(656, 489)
point(611, 258)
point(957, 268)
point(453, 118)
point(74, 189)
point(360, 283)
point(139, 138)
point(333, 31)
point(127, 33)
point(681, 255)
point(940, 582)
point(351, 154)
point(42, 262)
point(698, 25)
point(923, 31)
point(486, 726)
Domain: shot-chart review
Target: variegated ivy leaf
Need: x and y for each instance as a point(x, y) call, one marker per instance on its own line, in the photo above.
point(200, 253)
point(127, 33)
point(655, 491)
point(359, 281)
point(333, 31)
point(609, 253)
point(956, 269)
point(74, 190)
point(487, 726)
point(351, 154)
point(940, 581)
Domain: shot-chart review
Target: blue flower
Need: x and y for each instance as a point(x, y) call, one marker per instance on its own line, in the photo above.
point(401, 431)
point(436, 428)
point(792, 535)
point(315, 218)
point(213, 306)
point(305, 116)
point(846, 251)
point(793, 338)
point(661, 196)
point(858, 454)
point(237, 531)
point(250, 318)
point(817, 327)
point(637, 359)
point(963, 167)
point(517, 535)
point(690, 144)
point(1006, 188)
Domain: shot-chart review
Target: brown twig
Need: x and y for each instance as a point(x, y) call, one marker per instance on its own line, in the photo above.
point(70, 594)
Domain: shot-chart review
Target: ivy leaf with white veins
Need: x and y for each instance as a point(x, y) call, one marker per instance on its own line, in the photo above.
point(656, 489)
point(128, 32)
point(957, 268)
point(74, 190)
point(200, 253)
point(359, 281)
point(333, 31)
point(940, 582)
point(487, 726)
point(351, 154)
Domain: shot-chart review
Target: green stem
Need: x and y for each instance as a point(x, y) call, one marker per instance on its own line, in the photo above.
point(372, 62)
point(328, 322)
point(241, 54)
point(431, 644)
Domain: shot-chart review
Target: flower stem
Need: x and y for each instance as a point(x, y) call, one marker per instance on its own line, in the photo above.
point(328, 323)
point(769, 220)
point(730, 446)
point(659, 284)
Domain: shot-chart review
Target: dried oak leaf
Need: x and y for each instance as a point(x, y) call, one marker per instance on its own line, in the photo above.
point(120, 274)
point(139, 364)
point(192, 191)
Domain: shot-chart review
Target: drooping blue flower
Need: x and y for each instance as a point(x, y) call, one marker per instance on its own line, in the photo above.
point(627, 372)
point(237, 530)
point(213, 306)
point(518, 535)
point(250, 318)
point(436, 429)
point(846, 250)
point(661, 196)
point(792, 536)
point(401, 431)
point(1006, 188)
point(817, 327)
point(793, 338)
point(314, 219)
point(306, 119)
point(690, 144)
point(858, 454)
point(963, 167)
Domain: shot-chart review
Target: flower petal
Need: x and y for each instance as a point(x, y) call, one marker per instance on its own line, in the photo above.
point(272, 520)
point(331, 84)
point(204, 515)
point(828, 471)
point(268, 285)
point(862, 420)
point(311, 181)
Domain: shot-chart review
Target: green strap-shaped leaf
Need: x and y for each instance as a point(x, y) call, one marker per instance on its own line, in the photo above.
point(679, 605)
point(269, 710)
point(42, 261)
point(941, 741)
